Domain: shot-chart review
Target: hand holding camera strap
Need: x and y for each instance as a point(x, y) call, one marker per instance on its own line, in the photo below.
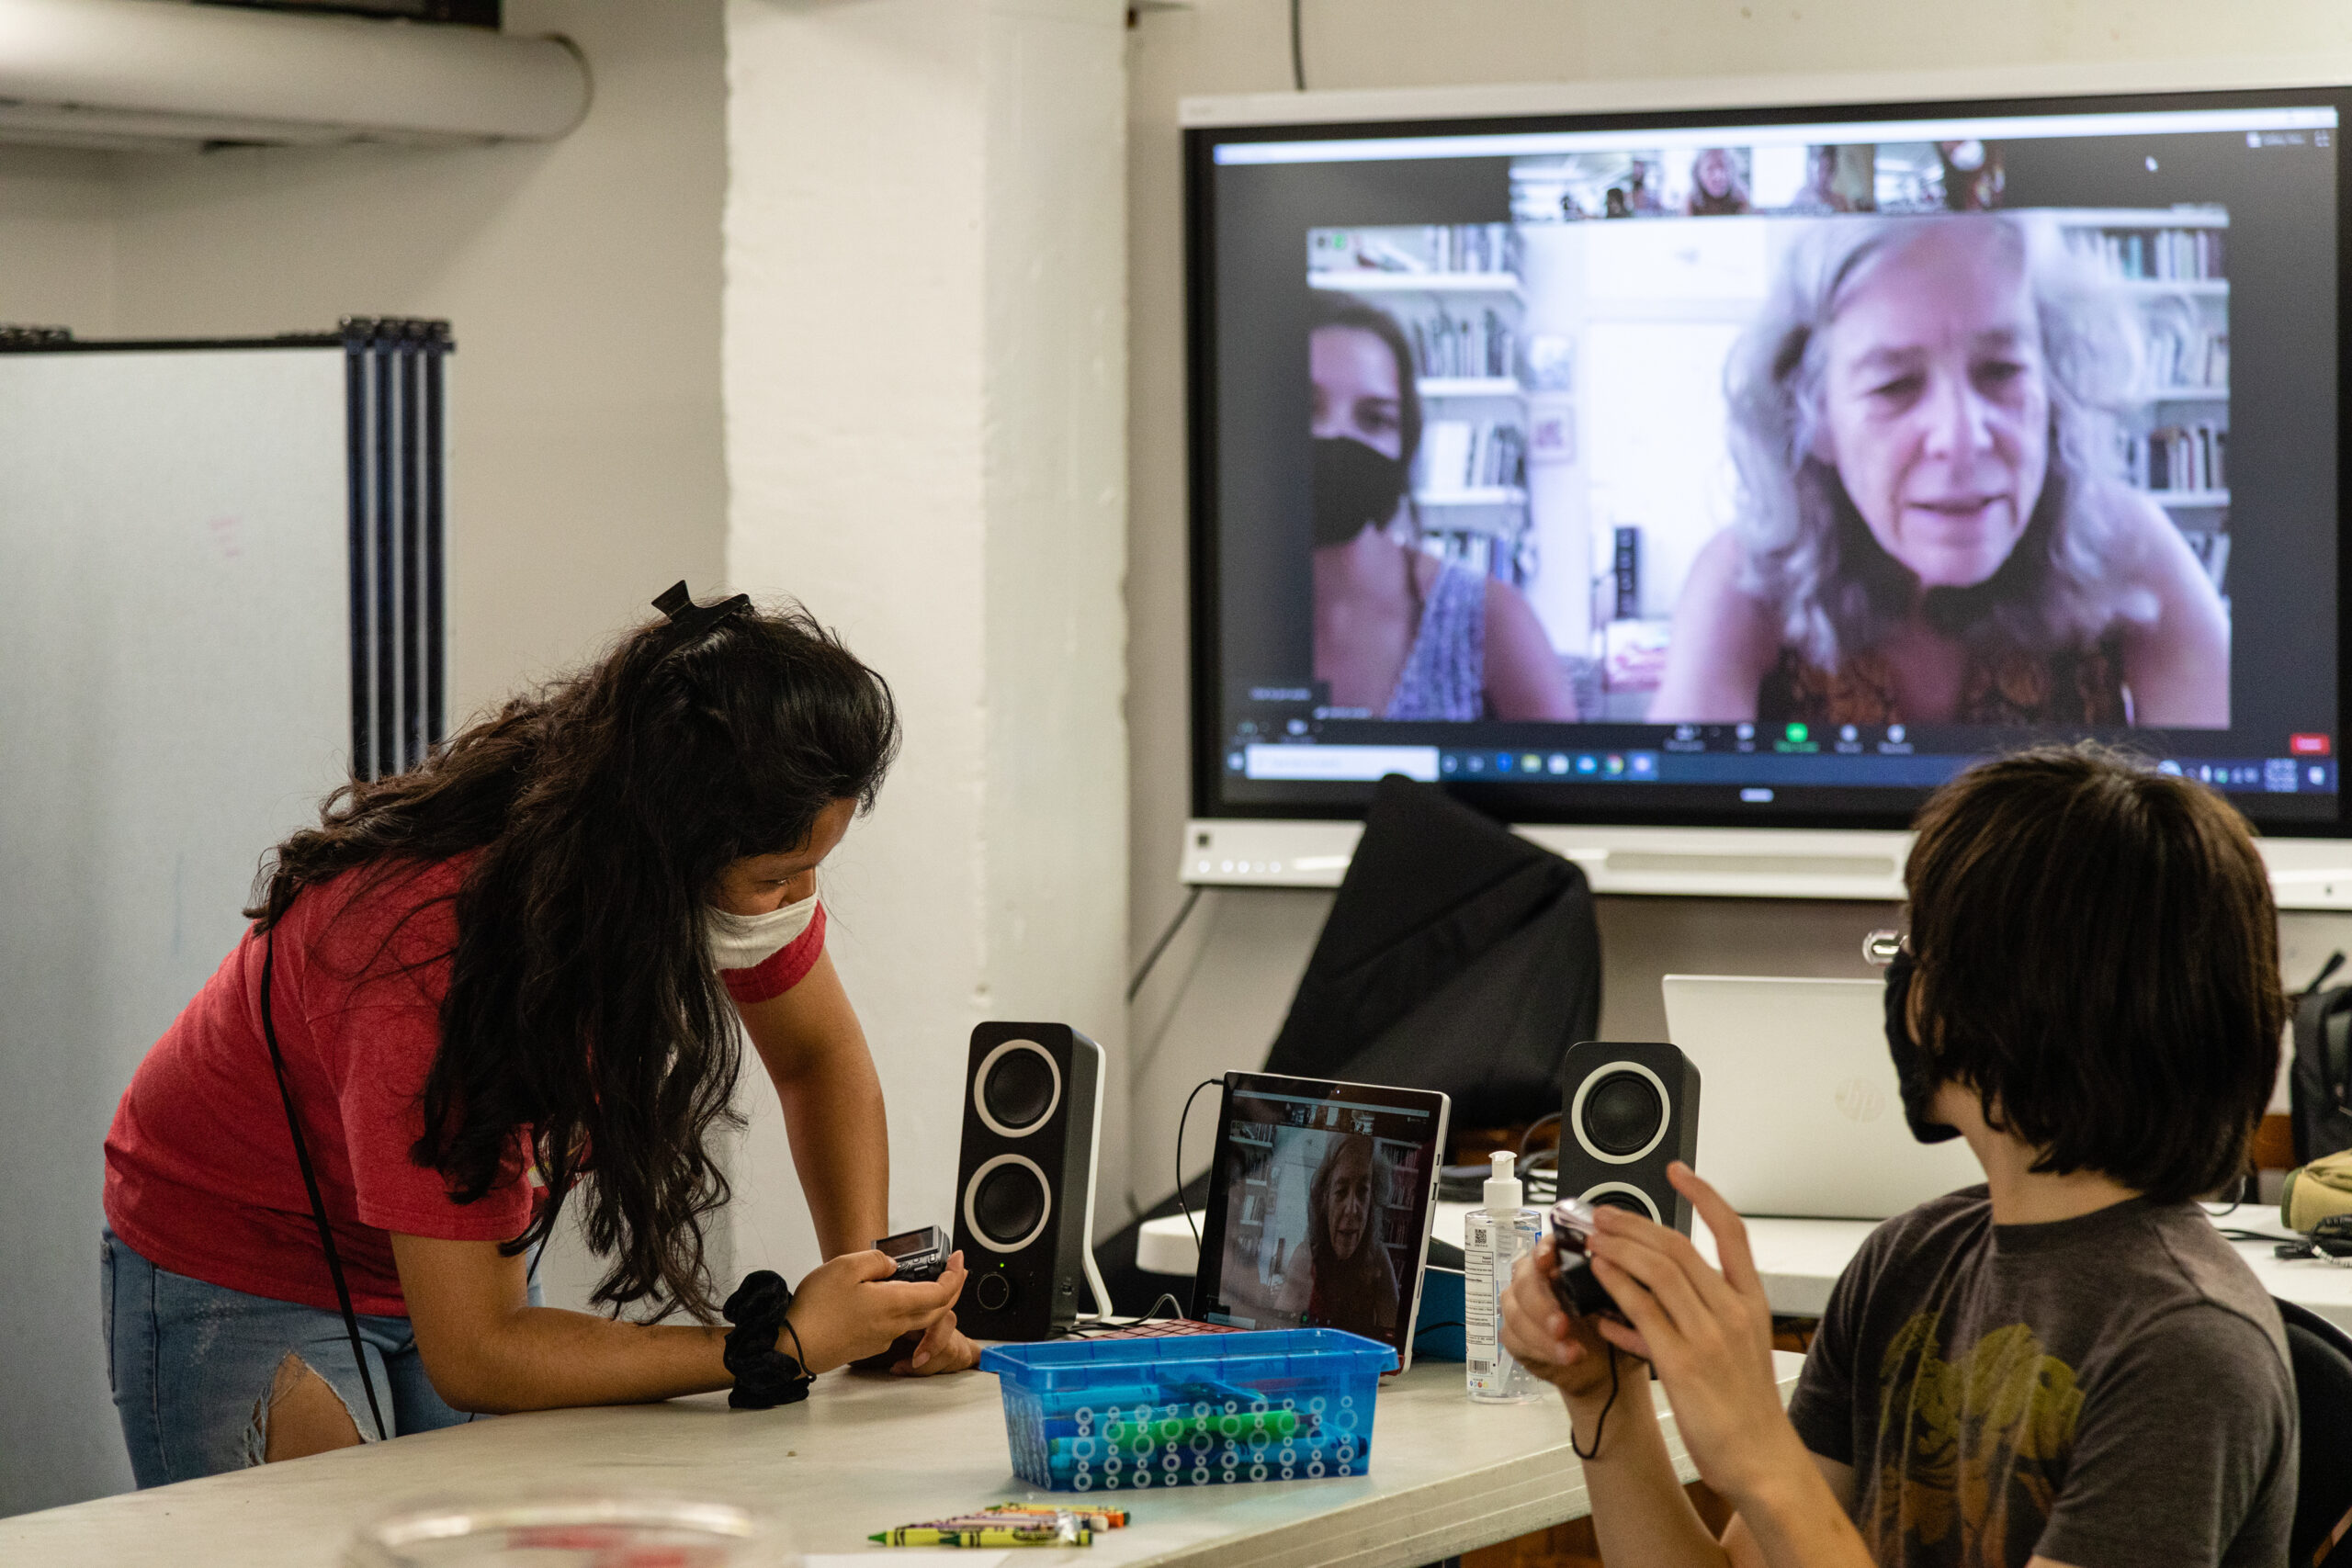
point(310, 1183)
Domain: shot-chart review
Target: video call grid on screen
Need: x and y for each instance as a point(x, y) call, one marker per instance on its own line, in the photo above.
point(1286, 1160)
point(1605, 466)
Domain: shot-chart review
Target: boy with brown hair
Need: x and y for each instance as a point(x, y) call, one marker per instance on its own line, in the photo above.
point(2066, 1368)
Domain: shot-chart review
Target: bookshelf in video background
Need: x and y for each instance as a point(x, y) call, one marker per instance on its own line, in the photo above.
point(1396, 1218)
point(2174, 266)
point(1455, 290)
point(1248, 1224)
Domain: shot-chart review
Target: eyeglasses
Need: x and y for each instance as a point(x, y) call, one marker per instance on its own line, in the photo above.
point(1880, 947)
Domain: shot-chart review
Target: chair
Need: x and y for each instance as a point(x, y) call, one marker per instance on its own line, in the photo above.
point(1457, 957)
point(2321, 1354)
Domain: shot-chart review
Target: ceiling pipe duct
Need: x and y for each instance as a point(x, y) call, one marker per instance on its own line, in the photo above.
point(151, 74)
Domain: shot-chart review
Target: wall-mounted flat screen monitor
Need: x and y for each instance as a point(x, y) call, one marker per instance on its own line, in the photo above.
point(1765, 467)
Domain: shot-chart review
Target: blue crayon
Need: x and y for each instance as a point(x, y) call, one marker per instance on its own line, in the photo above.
point(1299, 1462)
point(1299, 1448)
point(1219, 1394)
point(1102, 1399)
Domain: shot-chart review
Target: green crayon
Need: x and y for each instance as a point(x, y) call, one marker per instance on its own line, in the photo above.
point(931, 1534)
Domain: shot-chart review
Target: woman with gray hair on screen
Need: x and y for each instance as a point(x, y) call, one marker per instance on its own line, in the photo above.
point(1934, 526)
point(1340, 1276)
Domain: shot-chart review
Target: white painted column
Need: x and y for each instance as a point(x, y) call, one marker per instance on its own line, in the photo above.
point(925, 378)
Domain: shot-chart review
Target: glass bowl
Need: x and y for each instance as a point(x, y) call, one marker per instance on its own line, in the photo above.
point(572, 1530)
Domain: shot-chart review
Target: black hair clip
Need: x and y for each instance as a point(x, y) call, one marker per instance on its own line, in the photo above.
point(695, 619)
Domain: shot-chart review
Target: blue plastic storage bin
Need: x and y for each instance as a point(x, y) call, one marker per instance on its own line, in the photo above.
point(1198, 1410)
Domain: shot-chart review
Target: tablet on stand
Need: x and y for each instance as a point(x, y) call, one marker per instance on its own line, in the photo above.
point(1320, 1196)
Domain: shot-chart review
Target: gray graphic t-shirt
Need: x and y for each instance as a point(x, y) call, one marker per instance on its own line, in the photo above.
point(2108, 1392)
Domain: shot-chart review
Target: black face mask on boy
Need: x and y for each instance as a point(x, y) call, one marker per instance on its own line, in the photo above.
point(1354, 485)
point(1911, 1075)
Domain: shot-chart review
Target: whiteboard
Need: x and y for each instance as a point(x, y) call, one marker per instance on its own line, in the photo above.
point(175, 697)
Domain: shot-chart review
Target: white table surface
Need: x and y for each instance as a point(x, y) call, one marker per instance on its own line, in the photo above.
point(1801, 1260)
point(864, 1452)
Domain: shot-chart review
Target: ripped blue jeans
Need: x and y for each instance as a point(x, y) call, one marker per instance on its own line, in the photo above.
point(194, 1366)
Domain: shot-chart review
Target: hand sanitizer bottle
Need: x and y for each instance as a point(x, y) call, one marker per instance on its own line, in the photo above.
point(1493, 1239)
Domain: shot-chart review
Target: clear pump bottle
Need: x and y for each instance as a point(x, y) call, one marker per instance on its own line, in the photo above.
point(1493, 1239)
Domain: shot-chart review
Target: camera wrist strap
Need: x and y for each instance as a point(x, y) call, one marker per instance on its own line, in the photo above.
point(310, 1183)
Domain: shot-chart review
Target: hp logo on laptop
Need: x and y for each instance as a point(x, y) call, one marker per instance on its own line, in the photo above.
point(1858, 1100)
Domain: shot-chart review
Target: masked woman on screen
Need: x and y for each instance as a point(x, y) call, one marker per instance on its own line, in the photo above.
point(1398, 634)
point(1935, 526)
point(1342, 1277)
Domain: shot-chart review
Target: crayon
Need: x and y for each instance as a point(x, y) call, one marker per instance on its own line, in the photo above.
point(1219, 1394)
point(927, 1535)
point(1170, 1398)
point(1154, 1440)
point(1093, 1518)
point(1033, 1516)
point(1171, 1428)
point(986, 1521)
point(1102, 1399)
point(1064, 1457)
point(1063, 1468)
point(1060, 1448)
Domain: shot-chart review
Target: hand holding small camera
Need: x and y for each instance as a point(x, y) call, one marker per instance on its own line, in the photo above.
point(1563, 1348)
point(855, 1308)
point(1707, 1332)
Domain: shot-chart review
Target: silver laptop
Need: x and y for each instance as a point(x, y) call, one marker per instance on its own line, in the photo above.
point(1799, 1113)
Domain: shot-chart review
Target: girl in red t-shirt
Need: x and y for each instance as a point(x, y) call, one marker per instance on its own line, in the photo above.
point(504, 982)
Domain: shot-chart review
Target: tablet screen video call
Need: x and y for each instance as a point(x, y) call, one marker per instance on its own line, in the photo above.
point(1318, 1205)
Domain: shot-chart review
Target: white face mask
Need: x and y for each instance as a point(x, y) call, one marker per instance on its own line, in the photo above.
point(744, 942)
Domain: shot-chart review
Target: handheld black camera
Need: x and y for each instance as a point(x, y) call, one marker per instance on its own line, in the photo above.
point(1572, 1280)
point(921, 1254)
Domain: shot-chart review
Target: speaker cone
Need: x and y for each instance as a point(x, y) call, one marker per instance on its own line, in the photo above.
point(1008, 1205)
point(1624, 1195)
point(1016, 1088)
point(1019, 1088)
point(1623, 1114)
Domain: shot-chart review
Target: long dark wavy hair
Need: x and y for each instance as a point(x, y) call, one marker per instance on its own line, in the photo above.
point(582, 1002)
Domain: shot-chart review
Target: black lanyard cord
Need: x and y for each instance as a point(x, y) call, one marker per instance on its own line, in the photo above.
point(310, 1185)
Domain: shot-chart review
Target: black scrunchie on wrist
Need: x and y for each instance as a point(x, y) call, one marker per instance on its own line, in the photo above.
point(764, 1375)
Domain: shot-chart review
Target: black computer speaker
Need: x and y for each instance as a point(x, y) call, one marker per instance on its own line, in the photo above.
point(1626, 1112)
point(1025, 1182)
